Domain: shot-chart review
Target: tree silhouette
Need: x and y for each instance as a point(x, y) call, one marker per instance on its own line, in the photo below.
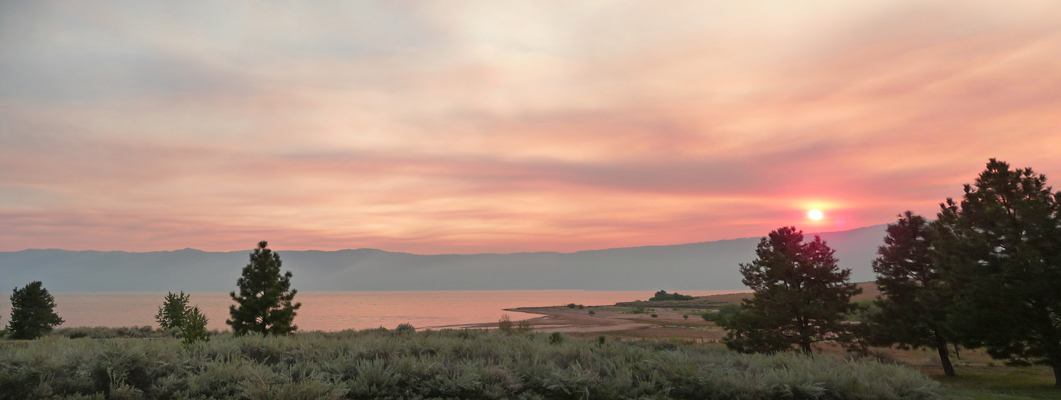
point(915, 300)
point(32, 312)
point(801, 297)
point(264, 303)
point(174, 311)
point(1001, 247)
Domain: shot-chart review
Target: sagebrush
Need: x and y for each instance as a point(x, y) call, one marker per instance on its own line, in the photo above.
point(441, 364)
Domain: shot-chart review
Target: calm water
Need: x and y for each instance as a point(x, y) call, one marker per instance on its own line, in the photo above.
point(332, 311)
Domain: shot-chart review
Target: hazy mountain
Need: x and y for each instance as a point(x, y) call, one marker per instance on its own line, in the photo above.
point(694, 266)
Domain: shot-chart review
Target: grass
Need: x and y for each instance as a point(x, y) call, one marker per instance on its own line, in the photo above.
point(443, 364)
point(1000, 383)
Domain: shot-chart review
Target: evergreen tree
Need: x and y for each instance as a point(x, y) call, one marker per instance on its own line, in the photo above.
point(1001, 247)
point(264, 303)
point(801, 297)
point(914, 301)
point(32, 312)
point(174, 311)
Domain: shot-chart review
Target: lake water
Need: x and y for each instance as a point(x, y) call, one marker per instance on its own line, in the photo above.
point(333, 311)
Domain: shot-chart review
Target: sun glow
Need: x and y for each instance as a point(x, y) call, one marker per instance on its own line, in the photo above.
point(814, 214)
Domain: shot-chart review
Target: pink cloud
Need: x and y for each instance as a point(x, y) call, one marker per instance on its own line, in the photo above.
point(481, 128)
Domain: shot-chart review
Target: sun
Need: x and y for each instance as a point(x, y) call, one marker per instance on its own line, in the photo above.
point(814, 214)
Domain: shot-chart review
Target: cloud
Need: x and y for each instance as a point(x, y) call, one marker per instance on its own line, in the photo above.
point(497, 127)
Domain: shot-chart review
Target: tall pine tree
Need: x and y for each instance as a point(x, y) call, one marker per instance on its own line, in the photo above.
point(264, 303)
point(915, 300)
point(801, 296)
point(1001, 247)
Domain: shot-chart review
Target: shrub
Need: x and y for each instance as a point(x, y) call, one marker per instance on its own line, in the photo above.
point(441, 364)
point(654, 315)
point(662, 295)
point(556, 338)
point(591, 312)
point(405, 328)
point(523, 326)
point(194, 329)
point(686, 316)
point(505, 324)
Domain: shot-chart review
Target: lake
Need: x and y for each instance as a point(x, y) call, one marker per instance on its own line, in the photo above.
point(333, 311)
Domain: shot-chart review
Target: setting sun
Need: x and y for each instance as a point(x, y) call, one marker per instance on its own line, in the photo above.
point(814, 214)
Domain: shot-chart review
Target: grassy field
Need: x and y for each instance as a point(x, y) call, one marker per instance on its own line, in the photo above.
point(466, 364)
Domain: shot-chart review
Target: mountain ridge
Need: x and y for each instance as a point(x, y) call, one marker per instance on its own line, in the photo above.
point(689, 266)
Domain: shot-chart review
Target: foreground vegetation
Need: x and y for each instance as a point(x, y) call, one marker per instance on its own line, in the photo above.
point(445, 364)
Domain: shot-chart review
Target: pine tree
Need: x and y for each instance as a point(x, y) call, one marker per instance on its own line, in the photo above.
point(264, 303)
point(1001, 248)
point(915, 300)
point(32, 312)
point(801, 297)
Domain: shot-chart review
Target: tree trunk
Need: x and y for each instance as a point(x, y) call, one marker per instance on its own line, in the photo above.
point(805, 347)
point(1057, 376)
point(944, 358)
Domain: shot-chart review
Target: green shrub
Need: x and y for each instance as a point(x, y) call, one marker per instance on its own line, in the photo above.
point(654, 315)
point(194, 328)
point(101, 332)
point(556, 338)
point(523, 326)
point(505, 324)
point(405, 328)
point(591, 312)
point(473, 364)
point(685, 316)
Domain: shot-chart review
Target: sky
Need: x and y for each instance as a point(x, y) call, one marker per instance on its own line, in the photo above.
point(467, 127)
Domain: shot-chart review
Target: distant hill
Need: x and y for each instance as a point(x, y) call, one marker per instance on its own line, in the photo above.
point(694, 266)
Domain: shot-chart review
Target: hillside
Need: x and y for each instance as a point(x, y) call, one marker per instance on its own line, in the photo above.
point(694, 266)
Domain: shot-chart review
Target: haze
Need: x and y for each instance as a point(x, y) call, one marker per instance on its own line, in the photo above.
point(453, 127)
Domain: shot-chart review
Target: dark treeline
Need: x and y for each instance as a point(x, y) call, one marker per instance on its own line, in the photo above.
point(986, 274)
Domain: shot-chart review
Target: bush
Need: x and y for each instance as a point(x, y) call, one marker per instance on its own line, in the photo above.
point(505, 324)
point(404, 329)
point(441, 364)
point(101, 332)
point(685, 316)
point(194, 329)
point(591, 312)
point(523, 326)
point(556, 338)
point(654, 315)
point(662, 295)
point(723, 313)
